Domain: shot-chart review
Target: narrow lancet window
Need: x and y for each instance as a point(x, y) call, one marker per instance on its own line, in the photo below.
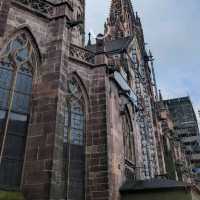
point(129, 148)
point(74, 142)
point(17, 62)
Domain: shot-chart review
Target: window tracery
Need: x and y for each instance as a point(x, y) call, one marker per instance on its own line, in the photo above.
point(17, 61)
point(41, 6)
point(74, 114)
point(128, 139)
point(74, 131)
point(129, 148)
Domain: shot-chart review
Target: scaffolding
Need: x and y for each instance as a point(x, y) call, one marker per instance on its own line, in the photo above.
point(144, 118)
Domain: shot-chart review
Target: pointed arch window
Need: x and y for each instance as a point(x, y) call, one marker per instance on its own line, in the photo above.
point(128, 139)
point(74, 142)
point(129, 149)
point(17, 61)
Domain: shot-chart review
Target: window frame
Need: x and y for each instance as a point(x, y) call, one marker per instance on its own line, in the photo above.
point(81, 99)
point(128, 136)
point(129, 146)
point(10, 53)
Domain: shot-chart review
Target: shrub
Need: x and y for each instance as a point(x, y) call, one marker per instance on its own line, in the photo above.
point(5, 195)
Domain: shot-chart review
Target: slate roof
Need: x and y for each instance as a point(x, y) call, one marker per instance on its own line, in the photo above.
point(178, 100)
point(153, 184)
point(113, 45)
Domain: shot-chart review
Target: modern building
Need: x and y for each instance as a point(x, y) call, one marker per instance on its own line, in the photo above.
point(76, 122)
point(176, 165)
point(186, 127)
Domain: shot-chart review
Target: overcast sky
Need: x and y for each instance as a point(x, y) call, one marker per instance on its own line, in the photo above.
point(172, 31)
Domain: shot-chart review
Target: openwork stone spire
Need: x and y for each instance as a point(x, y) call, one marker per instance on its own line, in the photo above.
point(121, 21)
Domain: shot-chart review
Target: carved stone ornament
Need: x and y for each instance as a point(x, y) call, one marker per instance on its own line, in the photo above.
point(42, 6)
point(81, 54)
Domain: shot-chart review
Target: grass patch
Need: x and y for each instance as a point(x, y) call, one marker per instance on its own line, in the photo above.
point(5, 195)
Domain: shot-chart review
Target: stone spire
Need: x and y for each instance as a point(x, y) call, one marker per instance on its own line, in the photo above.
point(160, 96)
point(121, 22)
point(89, 39)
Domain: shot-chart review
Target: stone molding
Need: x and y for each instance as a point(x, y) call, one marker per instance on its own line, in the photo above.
point(47, 8)
point(81, 54)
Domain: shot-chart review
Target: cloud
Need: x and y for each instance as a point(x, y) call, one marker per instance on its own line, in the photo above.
point(96, 13)
point(172, 30)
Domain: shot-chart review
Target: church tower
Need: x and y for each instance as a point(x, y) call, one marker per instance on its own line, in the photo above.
point(121, 22)
point(78, 31)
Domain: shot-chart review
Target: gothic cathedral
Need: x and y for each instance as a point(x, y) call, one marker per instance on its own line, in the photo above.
point(76, 122)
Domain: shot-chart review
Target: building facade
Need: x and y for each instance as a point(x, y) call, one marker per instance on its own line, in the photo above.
point(176, 165)
point(186, 128)
point(76, 122)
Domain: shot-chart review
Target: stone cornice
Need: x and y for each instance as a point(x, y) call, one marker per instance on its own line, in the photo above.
point(81, 54)
point(46, 8)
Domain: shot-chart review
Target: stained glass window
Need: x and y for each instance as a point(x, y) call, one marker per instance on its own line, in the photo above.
point(2, 119)
point(5, 85)
point(77, 124)
point(74, 131)
point(128, 139)
point(17, 61)
point(129, 152)
point(74, 115)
